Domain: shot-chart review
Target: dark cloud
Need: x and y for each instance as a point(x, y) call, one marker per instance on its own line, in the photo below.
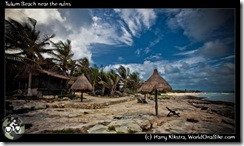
point(213, 49)
point(199, 24)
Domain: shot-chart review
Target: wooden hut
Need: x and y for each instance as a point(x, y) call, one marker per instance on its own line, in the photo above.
point(41, 82)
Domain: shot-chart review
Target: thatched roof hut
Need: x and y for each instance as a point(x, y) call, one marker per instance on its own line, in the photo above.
point(37, 70)
point(72, 80)
point(81, 84)
point(154, 82)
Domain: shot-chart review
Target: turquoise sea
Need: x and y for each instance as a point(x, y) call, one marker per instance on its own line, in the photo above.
point(229, 97)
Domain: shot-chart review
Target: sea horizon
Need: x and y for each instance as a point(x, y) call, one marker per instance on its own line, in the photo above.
point(219, 96)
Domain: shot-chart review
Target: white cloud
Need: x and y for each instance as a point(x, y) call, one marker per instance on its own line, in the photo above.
point(154, 57)
point(138, 51)
point(181, 48)
point(186, 53)
point(43, 16)
point(120, 58)
point(126, 37)
point(137, 18)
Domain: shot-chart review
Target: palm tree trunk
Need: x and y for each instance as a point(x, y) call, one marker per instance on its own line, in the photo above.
point(29, 93)
point(112, 92)
point(103, 89)
point(93, 90)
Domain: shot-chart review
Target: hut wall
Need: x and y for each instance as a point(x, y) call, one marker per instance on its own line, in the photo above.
point(50, 85)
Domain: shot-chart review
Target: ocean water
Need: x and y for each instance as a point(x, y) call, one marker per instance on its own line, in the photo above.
point(229, 97)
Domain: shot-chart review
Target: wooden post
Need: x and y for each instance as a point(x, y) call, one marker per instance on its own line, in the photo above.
point(29, 92)
point(156, 102)
point(81, 97)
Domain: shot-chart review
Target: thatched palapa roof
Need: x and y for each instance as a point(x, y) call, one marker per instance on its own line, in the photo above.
point(154, 82)
point(81, 84)
point(37, 70)
point(72, 80)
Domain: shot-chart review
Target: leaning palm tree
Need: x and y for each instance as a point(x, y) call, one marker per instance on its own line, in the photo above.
point(62, 55)
point(124, 73)
point(111, 80)
point(83, 65)
point(101, 79)
point(92, 75)
point(134, 82)
point(24, 39)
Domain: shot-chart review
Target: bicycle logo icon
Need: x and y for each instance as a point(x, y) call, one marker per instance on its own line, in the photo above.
point(13, 127)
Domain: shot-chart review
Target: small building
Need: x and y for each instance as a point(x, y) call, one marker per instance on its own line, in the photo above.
point(43, 82)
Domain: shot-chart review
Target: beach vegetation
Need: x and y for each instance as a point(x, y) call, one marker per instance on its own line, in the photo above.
point(111, 128)
point(130, 131)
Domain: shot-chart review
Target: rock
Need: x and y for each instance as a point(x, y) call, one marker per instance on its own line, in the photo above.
point(229, 121)
point(125, 126)
point(133, 127)
point(227, 111)
point(118, 117)
point(121, 129)
point(63, 105)
point(155, 124)
point(98, 129)
point(144, 124)
point(66, 98)
point(48, 97)
point(73, 115)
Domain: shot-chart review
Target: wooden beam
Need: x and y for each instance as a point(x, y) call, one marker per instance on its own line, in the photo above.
point(156, 102)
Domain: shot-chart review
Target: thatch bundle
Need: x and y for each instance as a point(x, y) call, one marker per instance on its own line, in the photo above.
point(155, 82)
point(72, 80)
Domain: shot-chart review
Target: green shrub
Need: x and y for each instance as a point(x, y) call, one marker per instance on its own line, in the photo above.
point(120, 132)
point(131, 131)
point(111, 128)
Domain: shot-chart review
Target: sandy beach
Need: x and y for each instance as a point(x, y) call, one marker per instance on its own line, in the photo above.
point(125, 115)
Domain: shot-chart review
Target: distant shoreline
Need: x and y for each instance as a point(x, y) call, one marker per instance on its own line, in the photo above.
point(188, 93)
point(201, 97)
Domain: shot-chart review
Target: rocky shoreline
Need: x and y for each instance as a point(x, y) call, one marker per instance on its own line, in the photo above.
point(124, 115)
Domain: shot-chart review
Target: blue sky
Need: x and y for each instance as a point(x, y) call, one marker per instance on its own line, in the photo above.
point(191, 48)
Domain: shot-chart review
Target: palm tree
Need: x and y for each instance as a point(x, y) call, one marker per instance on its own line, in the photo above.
point(124, 73)
point(101, 79)
point(84, 64)
point(92, 75)
point(110, 81)
point(63, 55)
point(24, 38)
point(134, 81)
point(72, 65)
